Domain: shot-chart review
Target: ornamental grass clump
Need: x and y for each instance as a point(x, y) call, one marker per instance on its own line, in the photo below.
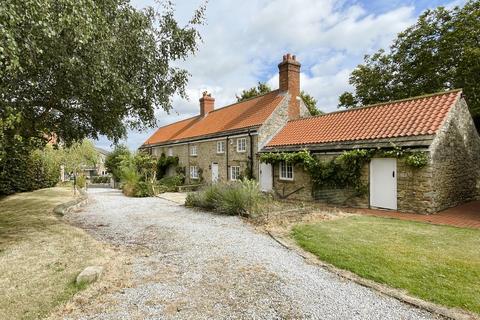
point(242, 198)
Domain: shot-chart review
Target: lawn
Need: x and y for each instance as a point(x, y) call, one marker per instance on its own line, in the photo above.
point(436, 263)
point(40, 255)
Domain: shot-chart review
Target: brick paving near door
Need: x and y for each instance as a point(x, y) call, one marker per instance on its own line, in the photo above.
point(465, 216)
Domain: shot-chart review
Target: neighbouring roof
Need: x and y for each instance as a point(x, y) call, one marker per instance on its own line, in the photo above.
point(241, 115)
point(102, 151)
point(403, 118)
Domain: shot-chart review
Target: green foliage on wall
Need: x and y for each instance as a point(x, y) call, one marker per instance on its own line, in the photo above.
point(343, 171)
point(164, 163)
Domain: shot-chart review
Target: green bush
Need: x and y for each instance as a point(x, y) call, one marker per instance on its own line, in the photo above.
point(81, 181)
point(105, 179)
point(240, 198)
point(143, 189)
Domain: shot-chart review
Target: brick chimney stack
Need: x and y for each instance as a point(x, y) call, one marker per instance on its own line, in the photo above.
point(206, 103)
point(289, 80)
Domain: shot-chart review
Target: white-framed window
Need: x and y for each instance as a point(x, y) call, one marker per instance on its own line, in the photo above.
point(286, 171)
point(234, 173)
point(170, 152)
point(241, 144)
point(193, 150)
point(194, 172)
point(220, 146)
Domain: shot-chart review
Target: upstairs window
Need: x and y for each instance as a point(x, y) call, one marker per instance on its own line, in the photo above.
point(286, 171)
point(221, 147)
point(241, 144)
point(193, 150)
point(170, 152)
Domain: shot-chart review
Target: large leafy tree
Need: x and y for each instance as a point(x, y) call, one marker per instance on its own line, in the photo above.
point(263, 88)
point(81, 68)
point(440, 51)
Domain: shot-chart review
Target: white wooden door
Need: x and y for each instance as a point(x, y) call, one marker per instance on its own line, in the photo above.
point(266, 180)
point(214, 172)
point(383, 183)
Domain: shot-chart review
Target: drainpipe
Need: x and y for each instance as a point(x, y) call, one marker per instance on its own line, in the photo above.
point(226, 155)
point(187, 169)
point(251, 153)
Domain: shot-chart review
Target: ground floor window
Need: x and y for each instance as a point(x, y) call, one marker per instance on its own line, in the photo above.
point(194, 172)
point(234, 173)
point(286, 171)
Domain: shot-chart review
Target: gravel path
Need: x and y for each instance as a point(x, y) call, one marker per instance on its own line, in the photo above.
point(204, 266)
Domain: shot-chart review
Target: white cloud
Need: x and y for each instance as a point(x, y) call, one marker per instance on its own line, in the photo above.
point(244, 41)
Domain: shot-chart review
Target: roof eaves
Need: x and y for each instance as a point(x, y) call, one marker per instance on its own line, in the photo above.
point(410, 141)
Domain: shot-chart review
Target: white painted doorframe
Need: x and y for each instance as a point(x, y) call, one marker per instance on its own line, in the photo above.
point(383, 183)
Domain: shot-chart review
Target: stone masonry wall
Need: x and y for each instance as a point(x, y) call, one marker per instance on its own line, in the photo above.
point(455, 155)
point(207, 154)
point(274, 123)
point(414, 188)
point(415, 191)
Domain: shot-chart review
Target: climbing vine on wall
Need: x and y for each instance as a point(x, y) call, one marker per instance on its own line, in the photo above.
point(344, 170)
point(163, 163)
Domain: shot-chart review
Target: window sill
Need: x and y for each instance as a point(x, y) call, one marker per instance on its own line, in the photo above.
point(242, 151)
point(286, 179)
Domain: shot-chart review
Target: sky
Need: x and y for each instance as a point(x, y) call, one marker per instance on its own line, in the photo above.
point(243, 42)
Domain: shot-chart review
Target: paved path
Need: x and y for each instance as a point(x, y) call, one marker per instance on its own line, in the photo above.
point(206, 266)
point(465, 216)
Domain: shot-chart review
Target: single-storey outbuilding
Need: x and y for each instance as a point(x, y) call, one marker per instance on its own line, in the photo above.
point(437, 125)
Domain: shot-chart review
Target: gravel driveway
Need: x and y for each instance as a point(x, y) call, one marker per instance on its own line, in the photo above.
point(204, 266)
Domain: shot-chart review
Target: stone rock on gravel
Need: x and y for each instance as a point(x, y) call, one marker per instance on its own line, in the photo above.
point(89, 275)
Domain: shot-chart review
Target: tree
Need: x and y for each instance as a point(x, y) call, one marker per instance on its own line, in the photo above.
point(263, 88)
point(440, 51)
point(114, 159)
point(79, 156)
point(311, 103)
point(81, 68)
point(260, 89)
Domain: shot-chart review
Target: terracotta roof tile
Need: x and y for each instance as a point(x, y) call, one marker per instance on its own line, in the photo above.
point(416, 116)
point(245, 114)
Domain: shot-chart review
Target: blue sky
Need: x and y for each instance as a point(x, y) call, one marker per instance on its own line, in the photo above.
point(242, 44)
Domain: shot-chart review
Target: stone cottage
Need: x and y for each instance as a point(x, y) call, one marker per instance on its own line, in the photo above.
point(439, 125)
point(221, 144)
point(224, 144)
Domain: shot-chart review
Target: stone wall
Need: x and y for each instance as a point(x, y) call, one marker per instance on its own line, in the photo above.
point(455, 156)
point(207, 154)
point(300, 188)
point(415, 191)
point(274, 123)
point(414, 188)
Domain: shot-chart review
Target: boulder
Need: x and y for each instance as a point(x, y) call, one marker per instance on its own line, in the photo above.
point(89, 275)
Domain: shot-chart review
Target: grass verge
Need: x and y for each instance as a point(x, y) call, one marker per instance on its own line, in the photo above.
point(40, 256)
point(436, 263)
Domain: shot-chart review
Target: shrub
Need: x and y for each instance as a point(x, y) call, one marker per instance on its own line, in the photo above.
point(105, 179)
point(240, 198)
point(168, 184)
point(81, 181)
point(143, 189)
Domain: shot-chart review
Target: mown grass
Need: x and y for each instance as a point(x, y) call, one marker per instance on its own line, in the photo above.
point(436, 263)
point(40, 256)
